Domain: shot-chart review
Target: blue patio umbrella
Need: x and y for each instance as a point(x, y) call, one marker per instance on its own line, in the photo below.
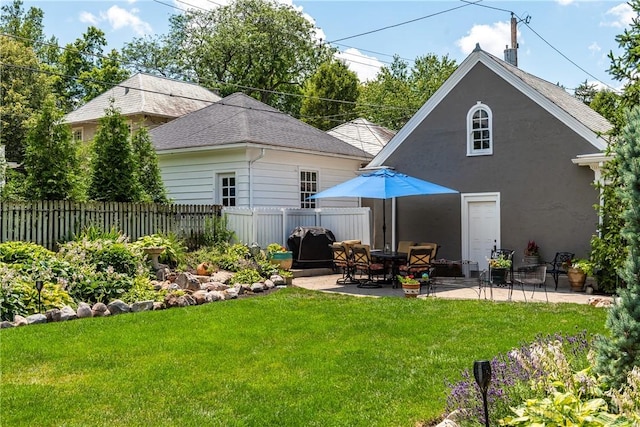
point(383, 184)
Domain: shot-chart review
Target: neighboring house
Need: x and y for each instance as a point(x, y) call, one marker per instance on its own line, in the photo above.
point(522, 153)
point(144, 100)
point(363, 134)
point(242, 152)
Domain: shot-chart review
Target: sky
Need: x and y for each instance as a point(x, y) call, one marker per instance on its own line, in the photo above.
point(561, 41)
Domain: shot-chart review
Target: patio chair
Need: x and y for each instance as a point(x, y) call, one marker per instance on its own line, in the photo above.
point(535, 276)
point(404, 245)
point(418, 260)
point(559, 265)
point(343, 260)
point(434, 251)
point(364, 265)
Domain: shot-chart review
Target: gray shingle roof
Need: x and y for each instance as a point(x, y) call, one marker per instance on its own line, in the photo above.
point(146, 94)
point(238, 118)
point(363, 134)
point(556, 94)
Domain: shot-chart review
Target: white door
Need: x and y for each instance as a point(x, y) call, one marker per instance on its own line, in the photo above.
point(480, 226)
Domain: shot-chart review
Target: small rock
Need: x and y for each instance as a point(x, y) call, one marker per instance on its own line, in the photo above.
point(118, 307)
point(188, 281)
point(231, 293)
point(200, 297)
point(53, 315)
point(257, 287)
point(84, 310)
point(19, 320)
point(277, 279)
point(158, 305)
point(100, 309)
point(67, 313)
point(36, 318)
point(214, 296)
point(139, 306)
point(221, 276)
point(269, 284)
point(6, 324)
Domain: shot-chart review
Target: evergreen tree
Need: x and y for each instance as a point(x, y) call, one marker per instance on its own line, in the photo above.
point(626, 67)
point(50, 159)
point(620, 352)
point(148, 172)
point(113, 169)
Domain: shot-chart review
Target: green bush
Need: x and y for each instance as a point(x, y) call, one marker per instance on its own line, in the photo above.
point(174, 248)
point(23, 253)
point(141, 290)
point(246, 276)
point(117, 256)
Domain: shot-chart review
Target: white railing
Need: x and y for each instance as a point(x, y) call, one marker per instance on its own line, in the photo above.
point(274, 225)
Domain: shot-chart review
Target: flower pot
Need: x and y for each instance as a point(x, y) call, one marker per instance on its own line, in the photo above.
point(499, 276)
point(577, 279)
point(411, 290)
point(531, 260)
point(283, 260)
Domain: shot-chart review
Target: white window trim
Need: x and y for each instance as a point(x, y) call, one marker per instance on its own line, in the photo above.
point(317, 172)
point(219, 178)
point(73, 133)
point(470, 150)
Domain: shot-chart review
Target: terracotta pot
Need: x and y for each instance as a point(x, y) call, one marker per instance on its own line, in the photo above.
point(202, 269)
point(577, 279)
point(411, 290)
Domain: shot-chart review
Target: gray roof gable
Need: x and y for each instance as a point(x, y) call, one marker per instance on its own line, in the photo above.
point(146, 94)
point(362, 133)
point(572, 112)
point(240, 119)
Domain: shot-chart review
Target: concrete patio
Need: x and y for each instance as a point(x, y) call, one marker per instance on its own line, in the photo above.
point(460, 288)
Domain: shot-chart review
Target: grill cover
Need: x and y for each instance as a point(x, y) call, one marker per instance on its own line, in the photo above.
point(310, 247)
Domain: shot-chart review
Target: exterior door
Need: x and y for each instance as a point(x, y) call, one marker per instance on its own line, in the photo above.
point(480, 226)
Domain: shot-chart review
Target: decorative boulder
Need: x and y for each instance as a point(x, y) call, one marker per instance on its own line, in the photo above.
point(100, 309)
point(214, 296)
point(139, 306)
point(19, 320)
point(231, 293)
point(257, 287)
point(277, 280)
point(84, 310)
point(53, 315)
point(215, 286)
point(118, 307)
point(6, 324)
point(221, 276)
point(158, 305)
point(67, 313)
point(269, 284)
point(36, 318)
point(200, 297)
point(188, 281)
point(172, 300)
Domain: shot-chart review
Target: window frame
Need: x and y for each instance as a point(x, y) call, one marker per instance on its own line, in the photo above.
point(471, 151)
point(73, 134)
point(306, 192)
point(222, 187)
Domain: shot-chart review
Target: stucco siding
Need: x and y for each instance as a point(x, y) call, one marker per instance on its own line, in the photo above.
point(543, 195)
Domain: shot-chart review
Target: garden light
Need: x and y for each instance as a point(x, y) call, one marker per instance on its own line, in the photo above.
point(482, 374)
point(39, 284)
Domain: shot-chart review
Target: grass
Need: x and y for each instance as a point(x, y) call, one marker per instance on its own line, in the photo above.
point(291, 358)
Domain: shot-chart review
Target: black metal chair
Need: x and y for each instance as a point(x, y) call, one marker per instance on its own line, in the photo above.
point(561, 262)
point(508, 277)
point(343, 260)
point(364, 265)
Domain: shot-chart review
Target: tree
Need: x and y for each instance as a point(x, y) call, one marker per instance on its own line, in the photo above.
point(585, 92)
point(620, 352)
point(50, 160)
point(153, 55)
point(332, 81)
point(609, 105)
point(626, 67)
point(399, 91)
point(22, 92)
point(27, 28)
point(259, 47)
point(148, 172)
point(113, 175)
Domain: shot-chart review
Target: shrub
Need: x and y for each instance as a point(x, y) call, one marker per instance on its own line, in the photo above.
point(141, 290)
point(174, 248)
point(246, 276)
point(23, 253)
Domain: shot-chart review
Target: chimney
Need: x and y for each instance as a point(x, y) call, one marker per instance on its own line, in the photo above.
point(511, 54)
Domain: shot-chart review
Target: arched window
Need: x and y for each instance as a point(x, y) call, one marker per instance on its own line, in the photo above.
point(479, 130)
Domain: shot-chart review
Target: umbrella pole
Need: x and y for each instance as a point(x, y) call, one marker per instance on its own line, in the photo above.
point(384, 225)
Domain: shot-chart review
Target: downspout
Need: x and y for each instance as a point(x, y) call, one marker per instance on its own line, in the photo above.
point(251, 162)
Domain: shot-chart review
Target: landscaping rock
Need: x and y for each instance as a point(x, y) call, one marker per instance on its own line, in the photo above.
point(118, 307)
point(19, 320)
point(221, 276)
point(231, 293)
point(6, 324)
point(36, 318)
point(277, 279)
point(158, 305)
point(600, 302)
point(213, 296)
point(215, 286)
point(53, 315)
point(171, 277)
point(269, 284)
point(257, 287)
point(67, 313)
point(188, 281)
point(139, 306)
point(172, 300)
point(84, 310)
point(100, 309)
point(157, 284)
point(200, 297)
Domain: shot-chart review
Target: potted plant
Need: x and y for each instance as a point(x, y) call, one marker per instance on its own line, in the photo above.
point(532, 253)
point(577, 273)
point(287, 276)
point(410, 286)
point(499, 267)
point(280, 256)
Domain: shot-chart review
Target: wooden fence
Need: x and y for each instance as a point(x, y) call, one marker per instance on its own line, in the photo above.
point(49, 222)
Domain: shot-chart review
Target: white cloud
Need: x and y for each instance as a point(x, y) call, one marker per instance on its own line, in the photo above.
point(89, 18)
point(594, 48)
point(622, 15)
point(121, 18)
point(492, 38)
point(564, 2)
point(365, 67)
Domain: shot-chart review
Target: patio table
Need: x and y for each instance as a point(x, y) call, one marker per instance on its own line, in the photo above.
point(392, 257)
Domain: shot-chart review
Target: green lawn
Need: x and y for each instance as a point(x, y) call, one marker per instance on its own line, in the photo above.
point(291, 358)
